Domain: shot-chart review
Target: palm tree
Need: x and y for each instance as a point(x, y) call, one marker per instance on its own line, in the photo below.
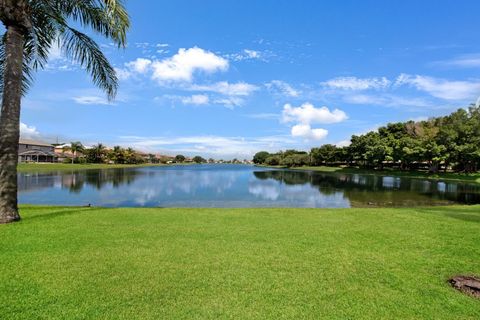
point(75, 148)
point(32, 28)
point(98, 153)
point(118, 154)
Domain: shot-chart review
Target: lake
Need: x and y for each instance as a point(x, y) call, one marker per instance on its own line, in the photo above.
point(236, 186)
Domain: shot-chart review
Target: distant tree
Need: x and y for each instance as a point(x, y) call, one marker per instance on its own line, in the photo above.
point(260, 157)
point(273, 160)
point(198, 159)
point(179, 158)
point(295, 160)
point(74, 148)
point(152, 158)
point(96, 154)
point(324, 155)
point(116, 155)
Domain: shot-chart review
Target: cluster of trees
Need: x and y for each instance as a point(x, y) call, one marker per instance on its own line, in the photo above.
point(99, 153)
point(442, 143)
point(288, 158)
point(179, 158)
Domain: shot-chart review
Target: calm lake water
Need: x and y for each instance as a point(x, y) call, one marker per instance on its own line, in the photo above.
point(236, 186)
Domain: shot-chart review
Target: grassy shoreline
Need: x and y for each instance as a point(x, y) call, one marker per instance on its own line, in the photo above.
point(475, 177)
point(139, 263)
point(25, 167)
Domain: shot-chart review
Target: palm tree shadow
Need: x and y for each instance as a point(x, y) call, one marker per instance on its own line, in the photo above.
point(64, 212)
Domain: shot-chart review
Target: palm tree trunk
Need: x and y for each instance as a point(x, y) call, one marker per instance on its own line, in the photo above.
point(10, 124)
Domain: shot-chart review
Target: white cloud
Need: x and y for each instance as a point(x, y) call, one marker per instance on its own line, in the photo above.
point(441, 88)
point(123, 74)
point(185, 63)
point(357, 84)
point(229, 102)
point(226, 88)
point(91, 100)
point(140, 65)
point(245, 54)
point(307, 114)
point(252, 54)
point(28, 132)
point(343, 143)
point(196, 99)
point(306, 132)
point(283, 88)
point(464, 61)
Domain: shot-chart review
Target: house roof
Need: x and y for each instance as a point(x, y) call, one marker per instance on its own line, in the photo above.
point(34, 143)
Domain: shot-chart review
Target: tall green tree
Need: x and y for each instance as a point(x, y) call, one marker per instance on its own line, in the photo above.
point(32, 28)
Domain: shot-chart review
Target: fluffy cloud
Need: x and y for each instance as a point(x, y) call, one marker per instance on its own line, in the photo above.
point(283, 88)
point(185, 63)
point(307, 114)
point(357, 84)
point(140, 65)
point(306, 132)
point(123, 74)
point(196, 99)
point(441, 88)
point(28, 132)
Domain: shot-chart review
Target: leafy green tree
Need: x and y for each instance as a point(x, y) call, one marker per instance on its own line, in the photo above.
point(260, 157)
point(324, 155)
point(198, 159)
point(33, 27)
point(273, 160)
point(179, 158)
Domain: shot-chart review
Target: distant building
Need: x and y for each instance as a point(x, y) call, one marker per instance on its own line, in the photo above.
point(35, 151)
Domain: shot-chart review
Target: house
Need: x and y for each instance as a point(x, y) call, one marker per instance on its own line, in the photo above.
point(35, 151)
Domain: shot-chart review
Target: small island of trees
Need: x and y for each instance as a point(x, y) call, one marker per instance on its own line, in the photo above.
point(438, 144)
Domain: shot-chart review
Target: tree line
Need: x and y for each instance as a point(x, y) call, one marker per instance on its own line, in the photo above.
point(99, 153)
point(450, 142)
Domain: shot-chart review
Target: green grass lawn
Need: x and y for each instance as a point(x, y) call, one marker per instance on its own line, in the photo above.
point(473, 177)
point(93, 263)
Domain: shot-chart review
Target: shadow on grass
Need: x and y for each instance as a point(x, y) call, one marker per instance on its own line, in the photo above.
point(464, 214)
point(64, 211)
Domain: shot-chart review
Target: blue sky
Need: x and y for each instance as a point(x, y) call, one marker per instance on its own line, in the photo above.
point(228, 78)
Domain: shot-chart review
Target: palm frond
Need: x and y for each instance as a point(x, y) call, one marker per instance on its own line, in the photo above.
point(107, 17)
point(82, 49)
